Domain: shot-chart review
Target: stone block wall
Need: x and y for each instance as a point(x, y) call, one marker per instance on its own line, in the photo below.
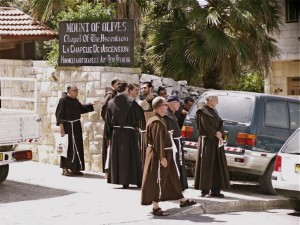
point(277, 81)
point(92, 82)
point(288, 37)
point(51, 82)
point(179, 88)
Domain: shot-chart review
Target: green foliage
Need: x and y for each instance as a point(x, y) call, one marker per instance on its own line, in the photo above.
point(250, 81)
point(86, 12)
point(186, 41)
point(83, 12)
point(53, 55)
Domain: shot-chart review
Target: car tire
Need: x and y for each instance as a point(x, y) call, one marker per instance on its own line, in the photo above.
point(3, 172)
point(295, 204)
point(266, 182)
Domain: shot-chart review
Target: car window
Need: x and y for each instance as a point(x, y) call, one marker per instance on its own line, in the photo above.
point(294, 115)
point(292, 145)
point(276, 114)
point(236, 108)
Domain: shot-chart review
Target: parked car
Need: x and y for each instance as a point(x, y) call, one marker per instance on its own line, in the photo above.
point(286, 175)
point(257, 125)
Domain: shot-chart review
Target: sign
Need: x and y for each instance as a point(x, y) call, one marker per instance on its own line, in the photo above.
point(96, 43)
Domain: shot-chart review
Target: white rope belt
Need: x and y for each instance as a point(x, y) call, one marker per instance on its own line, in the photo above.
point(75, 150)
point(168, 148)
point(179, 150)
point(126, 127)
point(174, 150)
point(141, 137)
point(202, 145)
point(158, 170)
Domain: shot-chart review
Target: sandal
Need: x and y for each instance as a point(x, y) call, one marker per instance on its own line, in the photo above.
point(187, 203)
point(67, 173)
point(159, 212)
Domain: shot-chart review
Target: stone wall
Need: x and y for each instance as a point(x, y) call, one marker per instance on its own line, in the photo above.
point(277, 81)
point(287, 65)
point(91, 82)
point(179, 88)
point(288, 37)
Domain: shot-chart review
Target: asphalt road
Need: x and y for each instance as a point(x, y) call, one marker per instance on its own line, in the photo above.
point(36, 194)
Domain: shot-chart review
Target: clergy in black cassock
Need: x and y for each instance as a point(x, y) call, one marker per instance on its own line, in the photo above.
point(110, 94)
point(68, 113)
point(123, 119)
point(172, 125)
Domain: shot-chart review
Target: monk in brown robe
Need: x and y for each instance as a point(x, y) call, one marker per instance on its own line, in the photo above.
point(211, 167)
point(160, 178)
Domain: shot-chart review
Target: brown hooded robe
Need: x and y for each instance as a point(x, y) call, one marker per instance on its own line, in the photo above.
point(168, 187)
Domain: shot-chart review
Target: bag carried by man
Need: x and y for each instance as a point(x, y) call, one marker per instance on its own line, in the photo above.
point(61, 145)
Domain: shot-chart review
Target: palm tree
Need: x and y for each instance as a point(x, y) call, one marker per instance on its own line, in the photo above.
point(218, 40)
point(44, 9)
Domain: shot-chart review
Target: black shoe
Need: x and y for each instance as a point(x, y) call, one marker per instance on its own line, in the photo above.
point(77, 173)
point(187, 203)
point(125, 186)
point(218, 195)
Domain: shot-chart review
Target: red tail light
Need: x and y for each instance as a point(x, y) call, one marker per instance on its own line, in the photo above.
point(23, 155)
point(277, 166)
point(187, 131)
point(241, 138)
point(246, 139)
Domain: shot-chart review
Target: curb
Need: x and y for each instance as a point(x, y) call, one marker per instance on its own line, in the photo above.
point(236, 206)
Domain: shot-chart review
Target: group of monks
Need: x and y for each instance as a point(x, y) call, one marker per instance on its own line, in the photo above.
point(142, 143)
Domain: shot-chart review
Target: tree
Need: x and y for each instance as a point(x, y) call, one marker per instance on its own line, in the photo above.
point(248, 81)
point(189, 42)
point(43, 9)
point(82, 12)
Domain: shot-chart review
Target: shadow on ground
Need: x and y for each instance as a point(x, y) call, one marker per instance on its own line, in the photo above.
point(12, 191)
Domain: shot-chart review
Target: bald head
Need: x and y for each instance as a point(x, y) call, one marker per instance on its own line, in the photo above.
point(158, 101)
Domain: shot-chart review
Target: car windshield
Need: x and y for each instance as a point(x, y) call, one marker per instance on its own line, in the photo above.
point(233, 108)
point(293, 144)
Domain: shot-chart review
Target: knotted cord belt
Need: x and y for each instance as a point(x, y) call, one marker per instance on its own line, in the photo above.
point(126, 127)
point(142, 134)
point(179, 150)
point(158, 170)
point(75, 150)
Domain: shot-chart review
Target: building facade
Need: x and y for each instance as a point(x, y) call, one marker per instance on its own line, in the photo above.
point(284, 76)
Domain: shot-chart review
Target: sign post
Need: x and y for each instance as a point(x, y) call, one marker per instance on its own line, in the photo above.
point(96, 43)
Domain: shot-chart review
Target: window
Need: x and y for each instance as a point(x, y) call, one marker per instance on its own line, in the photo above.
point(292, 10)
point(293, 85)
point(294, 115)
point(276, 114)
point(292, 146)
point(236, 108)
